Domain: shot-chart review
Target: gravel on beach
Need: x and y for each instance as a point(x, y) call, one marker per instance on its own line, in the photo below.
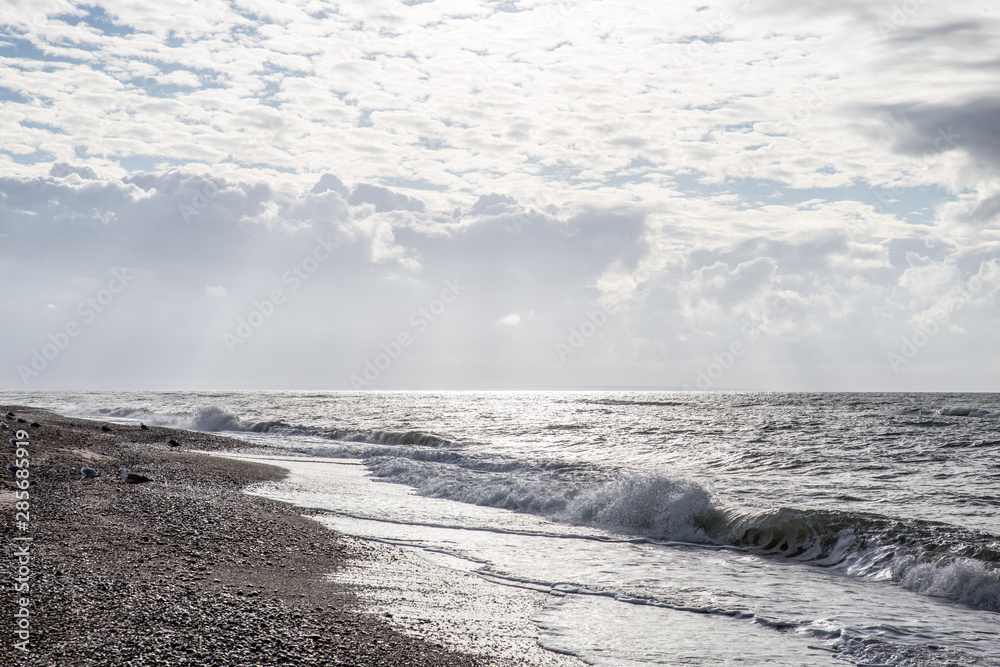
point(184, 569)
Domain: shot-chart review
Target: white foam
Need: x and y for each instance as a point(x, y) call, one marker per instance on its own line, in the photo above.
point(626, 601)
point(214, 418)
point(970, 412)
point(650, 504)
point(644, 504)
point(964, 580)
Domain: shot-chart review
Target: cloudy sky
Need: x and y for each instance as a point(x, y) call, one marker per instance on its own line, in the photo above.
point(758, 194)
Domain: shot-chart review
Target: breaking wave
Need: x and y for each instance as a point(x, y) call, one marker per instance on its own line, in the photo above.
point(412, 438)
point(210, 418)
point(372, 436)
point(932, 559)
point(213, 418)
point(118, 413)
point(928, 558)
point(970, 412)
point(618, 401)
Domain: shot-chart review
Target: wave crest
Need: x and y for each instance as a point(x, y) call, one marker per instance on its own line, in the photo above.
point(913, 554)
point(964, 580)
point(810, 535)
point(213, 418)
point(118, 412)
point(970, 412)
point(408, 438)
point(650, 504)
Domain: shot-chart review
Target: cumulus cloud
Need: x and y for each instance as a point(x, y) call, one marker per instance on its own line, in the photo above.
point(339, 294)
point(345, 282)
point(384, 199)
point(492, 204)
point(683, 172)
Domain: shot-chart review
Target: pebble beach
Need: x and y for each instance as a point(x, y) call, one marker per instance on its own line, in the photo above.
point(184, 569)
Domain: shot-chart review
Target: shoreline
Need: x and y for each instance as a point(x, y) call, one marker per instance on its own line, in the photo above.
point(185, 569)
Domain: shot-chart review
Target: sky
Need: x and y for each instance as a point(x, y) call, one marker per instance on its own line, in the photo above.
point(516, 194)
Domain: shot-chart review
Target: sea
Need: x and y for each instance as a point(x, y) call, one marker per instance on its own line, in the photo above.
point(656, 528)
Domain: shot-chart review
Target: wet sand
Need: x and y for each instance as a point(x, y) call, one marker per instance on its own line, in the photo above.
point(184, 569)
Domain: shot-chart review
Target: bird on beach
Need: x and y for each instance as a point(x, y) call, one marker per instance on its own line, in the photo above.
point(130, 477)
point(3, 426)
point(21, 420)
point(143, 427)
point(34, 425)
point(10, 415)
point(105, 428)
point(87, 472)
point(173, 443)
point(72, 423)
point(13, 467)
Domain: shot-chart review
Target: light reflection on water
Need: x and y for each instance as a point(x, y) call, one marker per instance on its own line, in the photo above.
point(896, 490)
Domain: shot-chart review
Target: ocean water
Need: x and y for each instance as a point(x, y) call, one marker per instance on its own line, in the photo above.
point(658, 527)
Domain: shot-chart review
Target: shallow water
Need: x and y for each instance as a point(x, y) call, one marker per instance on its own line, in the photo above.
point(662, 528)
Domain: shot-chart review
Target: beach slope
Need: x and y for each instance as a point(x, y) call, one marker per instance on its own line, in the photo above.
point(184, 569)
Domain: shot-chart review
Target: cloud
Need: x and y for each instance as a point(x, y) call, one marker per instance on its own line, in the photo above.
point(492, 204)
point(328, 183)
point(384, 199)
point(62, 170)
point(350, 278)
point(345, 282)
point(689, 167)
point(927, 130)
